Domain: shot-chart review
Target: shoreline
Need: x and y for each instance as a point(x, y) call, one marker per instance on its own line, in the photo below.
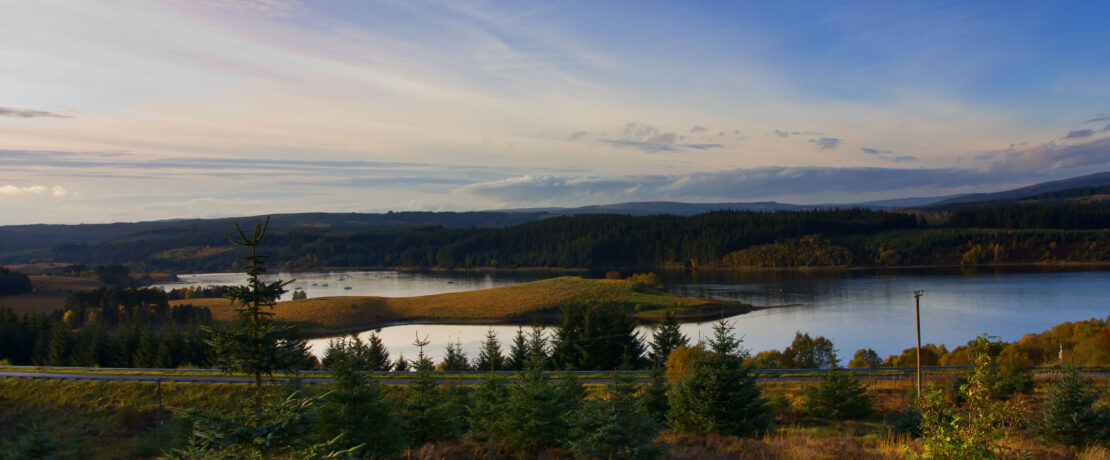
point(709, 269)
point(545, 319)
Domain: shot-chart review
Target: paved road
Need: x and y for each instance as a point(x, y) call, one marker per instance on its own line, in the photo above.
point(320, 378)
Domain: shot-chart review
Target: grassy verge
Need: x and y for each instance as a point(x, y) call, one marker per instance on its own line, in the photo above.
point(519, 303)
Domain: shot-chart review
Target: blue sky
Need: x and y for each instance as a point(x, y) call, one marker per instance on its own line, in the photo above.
point(135, 110)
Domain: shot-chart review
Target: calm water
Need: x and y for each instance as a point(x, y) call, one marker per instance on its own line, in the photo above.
point(854, 309)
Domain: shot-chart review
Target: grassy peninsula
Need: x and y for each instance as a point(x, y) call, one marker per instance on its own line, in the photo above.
point(520, 303)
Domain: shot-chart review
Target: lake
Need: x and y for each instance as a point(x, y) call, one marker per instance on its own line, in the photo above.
point(854, 308)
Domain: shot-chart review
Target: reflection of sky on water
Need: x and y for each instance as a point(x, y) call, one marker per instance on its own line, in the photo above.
point(854, 309)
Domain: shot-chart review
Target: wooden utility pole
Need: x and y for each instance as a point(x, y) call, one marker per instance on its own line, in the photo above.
point(917, 310)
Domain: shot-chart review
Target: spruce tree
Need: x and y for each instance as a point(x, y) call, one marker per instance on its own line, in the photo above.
point(490, 357)
point(454, 360)
point(429, 415)
point(519, 352)
point(719, 394)
point(538, 410)
point(616, 426)
point(487, 410)
point(655, 394)
point(1071, 415)
point(666, 338)
point(377, 355)
point(837, 396)
point(273, 424)
point(357, 411)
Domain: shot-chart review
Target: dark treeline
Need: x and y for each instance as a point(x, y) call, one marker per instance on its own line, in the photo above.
point(109, 327)
point(12, 282)
point(583, 241)
point(1016, 233)
point(1017, 216)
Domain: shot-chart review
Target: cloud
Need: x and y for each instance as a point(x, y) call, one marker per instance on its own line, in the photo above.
point(797, 185)
point(1107, 128)
point(14, 190)
point(1079, 134)
point(827, 143)
point(781, 133)
point(1098, 117)
point(1063, 159)
point(651, 139)
point(903, 158)
point(27, 113)
point(698, 129)
point(875, 151)
point(576, 135)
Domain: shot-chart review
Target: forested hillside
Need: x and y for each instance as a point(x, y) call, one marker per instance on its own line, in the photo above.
point(1068, 232)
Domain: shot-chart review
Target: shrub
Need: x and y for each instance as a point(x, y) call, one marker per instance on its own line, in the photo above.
point(978, 429)
point(646, 280)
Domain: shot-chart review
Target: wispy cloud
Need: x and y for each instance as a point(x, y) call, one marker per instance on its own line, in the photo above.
point(872, 151)
point(827, 143)
point(14, 190)
point(800, 185)
point(1098, 117)
point(576, 135)
point(698, 129)
point(1079, 134)
point(28, 113)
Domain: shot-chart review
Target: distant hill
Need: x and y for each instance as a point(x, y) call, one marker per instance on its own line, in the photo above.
point(1076, 187)
point(648, 208)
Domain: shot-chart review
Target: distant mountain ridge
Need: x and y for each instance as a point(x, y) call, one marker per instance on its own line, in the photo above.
point(20, 241)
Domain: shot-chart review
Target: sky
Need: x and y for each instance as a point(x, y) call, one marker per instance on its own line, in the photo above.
point(126, 110)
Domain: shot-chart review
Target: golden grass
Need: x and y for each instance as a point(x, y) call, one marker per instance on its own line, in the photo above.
point(50, 293)
point(538, 300)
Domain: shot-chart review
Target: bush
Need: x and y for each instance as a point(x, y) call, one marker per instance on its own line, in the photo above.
point(646, 280)
point(837, 396)
point(612, 275)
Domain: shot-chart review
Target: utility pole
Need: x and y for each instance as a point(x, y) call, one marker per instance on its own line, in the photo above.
point(917, 309)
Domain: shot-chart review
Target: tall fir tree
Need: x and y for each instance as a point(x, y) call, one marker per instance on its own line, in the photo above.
point(490, 357)
point(666, 338)
point(519, 351)
point(428, 414)
point(616, 426)
point(719, 394)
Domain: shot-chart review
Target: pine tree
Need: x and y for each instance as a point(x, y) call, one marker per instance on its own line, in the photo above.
point(490, 357)
point(258, 347)
point(655, 394)
point(519, 352)
point(454, 360)
point(1071, 416)
point(401, 365)
point(357, 409)
point(538, 410)
point(377, 356)
point(616, 426)
point(719, 394)
point(428, 414)
point(837, 396)
point(537, 345)
point(487, 420)
point(666, 338)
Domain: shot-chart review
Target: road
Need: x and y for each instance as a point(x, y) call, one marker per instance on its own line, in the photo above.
point(321, 378)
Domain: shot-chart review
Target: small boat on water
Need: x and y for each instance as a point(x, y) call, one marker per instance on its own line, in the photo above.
point(296, 288)
point(324, 285)
point(313, 284)
point(346, 288)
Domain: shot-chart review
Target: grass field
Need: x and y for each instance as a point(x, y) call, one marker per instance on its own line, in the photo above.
point(538, 300)
point(50, 293)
